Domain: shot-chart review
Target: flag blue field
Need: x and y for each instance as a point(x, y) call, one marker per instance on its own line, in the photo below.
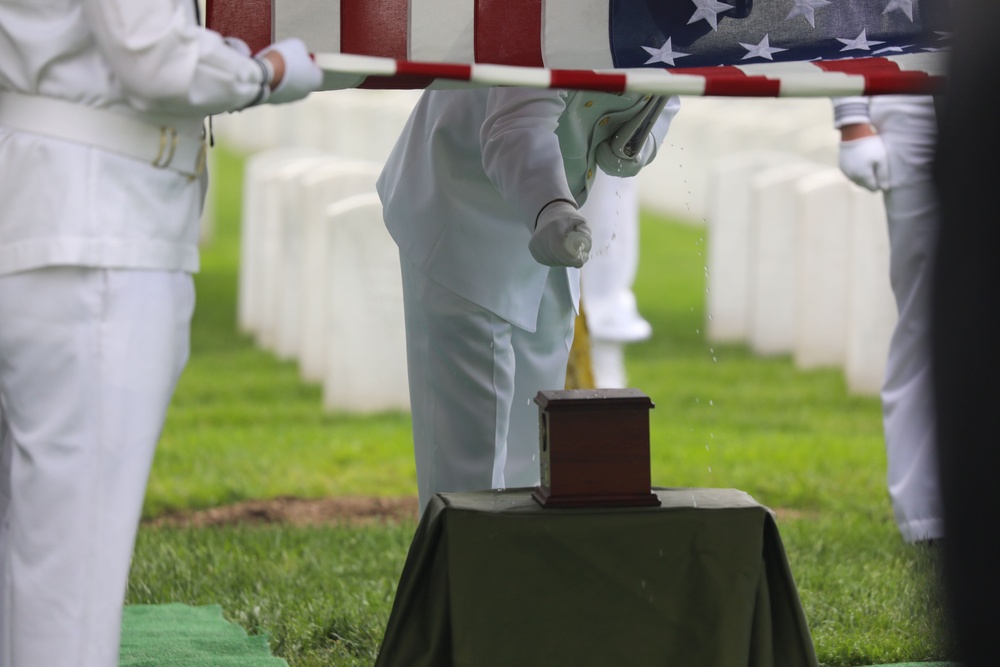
point(700, 33)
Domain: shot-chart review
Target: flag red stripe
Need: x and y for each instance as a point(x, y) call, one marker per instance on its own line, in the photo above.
point(374, 27)
point(900, 83)
point(412, 75)
point(732, 82)
point(454, 71)
point(863, 66)
point(250, 20)
point(750, 86)
point(588, 80)
point(884, 77)
point(407, 82)
point(509, 33)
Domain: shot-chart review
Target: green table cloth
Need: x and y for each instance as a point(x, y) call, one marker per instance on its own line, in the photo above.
point(492, 578)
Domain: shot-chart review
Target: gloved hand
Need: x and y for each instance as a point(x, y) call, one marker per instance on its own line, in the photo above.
point(865, 162)
point(301, 76)
point(561, 236)
point(614, 165)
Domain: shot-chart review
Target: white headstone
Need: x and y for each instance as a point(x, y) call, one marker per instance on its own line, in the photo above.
point(729, 242)
point(334, 181)
point(366, 348)
point(822, 269)
point(258, 203)
point(280, 239)
point(294, 245)
point(772, 279)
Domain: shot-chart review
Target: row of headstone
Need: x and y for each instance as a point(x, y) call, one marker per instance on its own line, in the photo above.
point(798, 264)
point(760, 173)
point(319, 279)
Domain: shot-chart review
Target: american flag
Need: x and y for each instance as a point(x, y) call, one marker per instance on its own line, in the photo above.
point(696, 47)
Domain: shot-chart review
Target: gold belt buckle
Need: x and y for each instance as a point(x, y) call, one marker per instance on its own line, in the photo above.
point(168, 146)
point(202, 159)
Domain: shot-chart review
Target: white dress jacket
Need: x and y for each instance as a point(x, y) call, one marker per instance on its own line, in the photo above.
point(64, 203)
point(464, 184)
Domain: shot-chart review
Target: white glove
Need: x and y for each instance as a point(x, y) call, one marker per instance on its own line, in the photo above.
point(561, 236)
point(301, 77)
point(865, 162)
point(614, 165)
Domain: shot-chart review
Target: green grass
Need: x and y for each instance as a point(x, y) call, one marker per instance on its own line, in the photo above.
point(243, 426)
point(321, 595)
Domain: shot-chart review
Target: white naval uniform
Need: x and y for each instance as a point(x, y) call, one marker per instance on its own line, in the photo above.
point(908, 129)
point(487, 326)
point(96, 296)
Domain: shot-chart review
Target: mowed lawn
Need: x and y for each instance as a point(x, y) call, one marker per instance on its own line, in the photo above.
point(243, 426)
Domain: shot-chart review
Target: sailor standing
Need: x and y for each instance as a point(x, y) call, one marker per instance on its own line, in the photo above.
point(888, 145)
point(101, 188)
point(481, 194)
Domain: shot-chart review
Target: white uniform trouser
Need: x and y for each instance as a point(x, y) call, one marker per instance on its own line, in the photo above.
point(473, 379)
point(908, 131)
point(88, 361)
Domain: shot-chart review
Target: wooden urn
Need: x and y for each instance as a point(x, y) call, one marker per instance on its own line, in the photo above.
point(594, 448)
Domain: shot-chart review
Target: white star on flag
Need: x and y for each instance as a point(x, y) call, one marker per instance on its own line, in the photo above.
point(892, 49)
point(664, 54)
point(860, 43)
point(762, 50)
point(807, 9)
point(905, 6)
point(709, 10)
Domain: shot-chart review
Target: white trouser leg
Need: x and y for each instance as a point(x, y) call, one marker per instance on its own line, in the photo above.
point(461, 373)
point(88, 361)
point(461, 362)
point(541, 359)
point(908, 415)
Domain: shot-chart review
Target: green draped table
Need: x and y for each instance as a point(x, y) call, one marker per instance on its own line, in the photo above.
point(492, 578)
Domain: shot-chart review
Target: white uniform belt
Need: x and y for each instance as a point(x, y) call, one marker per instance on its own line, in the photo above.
point(163, 142)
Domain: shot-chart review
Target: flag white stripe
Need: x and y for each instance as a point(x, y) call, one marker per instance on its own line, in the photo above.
point(502, 75)
point(805, 79)
point(658, 82)
point(442, 30)
point(828, 84)
point(575, 34)
point(934, 63)
point(315, 22)
point(348, 64)
point(778, 68)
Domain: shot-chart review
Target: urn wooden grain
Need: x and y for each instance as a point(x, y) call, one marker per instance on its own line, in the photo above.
point(594, 448)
